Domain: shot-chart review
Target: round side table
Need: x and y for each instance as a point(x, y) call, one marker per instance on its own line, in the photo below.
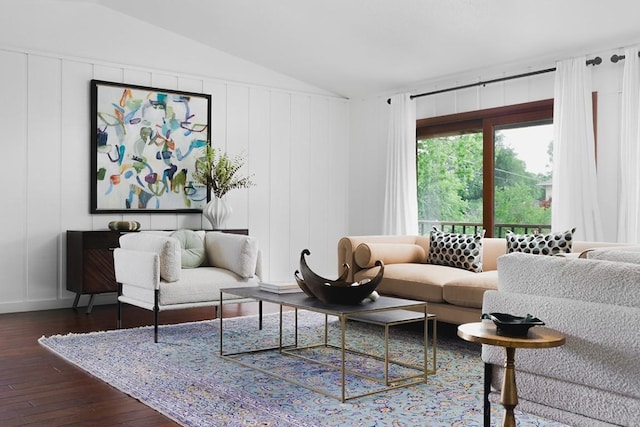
point(485, 333)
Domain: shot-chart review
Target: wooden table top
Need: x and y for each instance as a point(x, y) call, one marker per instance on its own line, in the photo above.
point(485, 333)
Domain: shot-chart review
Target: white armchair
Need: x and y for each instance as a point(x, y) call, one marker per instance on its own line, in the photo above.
point(161, 271)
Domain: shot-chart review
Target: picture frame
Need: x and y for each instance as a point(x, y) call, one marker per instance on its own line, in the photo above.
point(144, 145)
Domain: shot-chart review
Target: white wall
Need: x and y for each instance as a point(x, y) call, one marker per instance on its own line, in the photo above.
point(48, 53)
point(369, 128)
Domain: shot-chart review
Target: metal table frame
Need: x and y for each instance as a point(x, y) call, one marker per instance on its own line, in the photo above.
point(385, 311)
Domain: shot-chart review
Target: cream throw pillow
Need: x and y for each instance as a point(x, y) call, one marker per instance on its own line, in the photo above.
point(167, 248)
point(233, 252)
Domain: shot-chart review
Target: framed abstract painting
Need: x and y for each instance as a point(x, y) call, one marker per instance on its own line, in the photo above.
point(145, 142)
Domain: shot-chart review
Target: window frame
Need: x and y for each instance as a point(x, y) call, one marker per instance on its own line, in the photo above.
point(485, 121)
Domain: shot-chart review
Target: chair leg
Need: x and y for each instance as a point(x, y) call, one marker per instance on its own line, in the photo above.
point(487, 390)
point(260, 314)
point(119, 322)
point(156, 309)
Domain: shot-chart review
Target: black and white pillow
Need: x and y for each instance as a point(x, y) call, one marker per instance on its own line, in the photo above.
point(456, 250)
point(540, 244)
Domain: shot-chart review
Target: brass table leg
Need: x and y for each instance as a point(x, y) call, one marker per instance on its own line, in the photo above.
point(509, 395)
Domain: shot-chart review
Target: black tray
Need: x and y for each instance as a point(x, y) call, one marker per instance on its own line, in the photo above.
point(512, 326)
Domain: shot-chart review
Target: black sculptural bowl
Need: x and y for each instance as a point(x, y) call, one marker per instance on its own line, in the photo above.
point(512, 326)
point(337, 291)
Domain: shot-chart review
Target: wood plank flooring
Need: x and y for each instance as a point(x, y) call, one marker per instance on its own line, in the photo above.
point(38, 388)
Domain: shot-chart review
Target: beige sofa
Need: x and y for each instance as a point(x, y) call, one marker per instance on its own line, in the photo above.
point(454, 295)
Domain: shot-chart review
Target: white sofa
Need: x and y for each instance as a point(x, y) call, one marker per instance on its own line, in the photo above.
point(594, 379)
point(161, 271)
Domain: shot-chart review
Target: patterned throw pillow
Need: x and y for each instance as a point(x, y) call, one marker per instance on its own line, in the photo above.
point(456, 250)
point(540, 244)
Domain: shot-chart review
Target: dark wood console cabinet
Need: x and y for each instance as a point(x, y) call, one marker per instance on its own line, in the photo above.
point(90, 262)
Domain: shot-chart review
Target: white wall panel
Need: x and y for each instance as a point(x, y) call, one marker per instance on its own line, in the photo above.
point(280, 177)
point(258, 160)
point(367, 165)
point(136, 77)
point(465, 99)
point(300, 198)
point(44, 177)
point(238, 144)
point(13, 117)
point(320, 170)
point(218, 92)
point(74, 158)
point(338, 195)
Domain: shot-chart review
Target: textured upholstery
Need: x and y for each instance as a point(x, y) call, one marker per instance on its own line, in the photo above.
point(232, 252)
point(594, 379)
point(167, 248)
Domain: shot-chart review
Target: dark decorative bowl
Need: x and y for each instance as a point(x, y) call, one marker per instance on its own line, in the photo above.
point(337, 291)
point(512, 326)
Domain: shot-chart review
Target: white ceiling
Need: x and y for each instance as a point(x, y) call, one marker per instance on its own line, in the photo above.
point(358, 47)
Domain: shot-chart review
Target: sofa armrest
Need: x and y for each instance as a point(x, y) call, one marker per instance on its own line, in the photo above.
point(137, 268)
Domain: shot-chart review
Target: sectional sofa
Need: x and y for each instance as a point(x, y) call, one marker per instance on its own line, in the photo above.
point(454, 294)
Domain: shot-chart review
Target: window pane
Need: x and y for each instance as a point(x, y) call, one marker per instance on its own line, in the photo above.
point(522, 179)
point(450, 183)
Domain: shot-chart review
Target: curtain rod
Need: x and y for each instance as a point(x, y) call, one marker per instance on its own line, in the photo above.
point(595, 61)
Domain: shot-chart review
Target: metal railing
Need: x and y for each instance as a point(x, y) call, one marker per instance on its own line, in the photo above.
point(424, 227)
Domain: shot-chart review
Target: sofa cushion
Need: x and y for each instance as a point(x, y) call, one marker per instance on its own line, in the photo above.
point(234, 252)
point(468, 291)
point(192, 247)
point(423, 282)
point(199, 285)
point(167, 248)
point(540, 244)
point(456, 250)
point(366, 254)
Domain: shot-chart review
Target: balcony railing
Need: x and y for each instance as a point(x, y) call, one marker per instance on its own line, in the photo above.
point(424, 227)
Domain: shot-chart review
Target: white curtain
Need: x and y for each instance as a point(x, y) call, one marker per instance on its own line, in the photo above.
point(401, 193)
point(575, 187)
point(629, 176)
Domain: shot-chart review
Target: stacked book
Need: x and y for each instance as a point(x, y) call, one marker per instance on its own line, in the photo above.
point(280, 288)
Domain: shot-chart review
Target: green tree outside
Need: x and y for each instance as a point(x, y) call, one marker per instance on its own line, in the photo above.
point(450, 183)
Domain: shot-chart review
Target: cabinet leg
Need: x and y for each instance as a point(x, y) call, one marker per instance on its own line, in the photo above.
point(91, 300)
point(76, 300)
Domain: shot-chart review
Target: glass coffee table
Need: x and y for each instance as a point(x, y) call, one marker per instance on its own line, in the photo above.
point(385, 311)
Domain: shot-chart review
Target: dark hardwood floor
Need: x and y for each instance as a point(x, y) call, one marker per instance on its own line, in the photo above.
point(37, 388)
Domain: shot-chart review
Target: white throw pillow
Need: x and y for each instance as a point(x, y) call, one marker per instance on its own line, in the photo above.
point(234, 252)
point(167, 248)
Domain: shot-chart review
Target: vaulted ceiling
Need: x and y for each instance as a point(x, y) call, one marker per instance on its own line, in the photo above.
point(358, 47)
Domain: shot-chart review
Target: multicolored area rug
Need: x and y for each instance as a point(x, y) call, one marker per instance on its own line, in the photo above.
point(184, 378)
